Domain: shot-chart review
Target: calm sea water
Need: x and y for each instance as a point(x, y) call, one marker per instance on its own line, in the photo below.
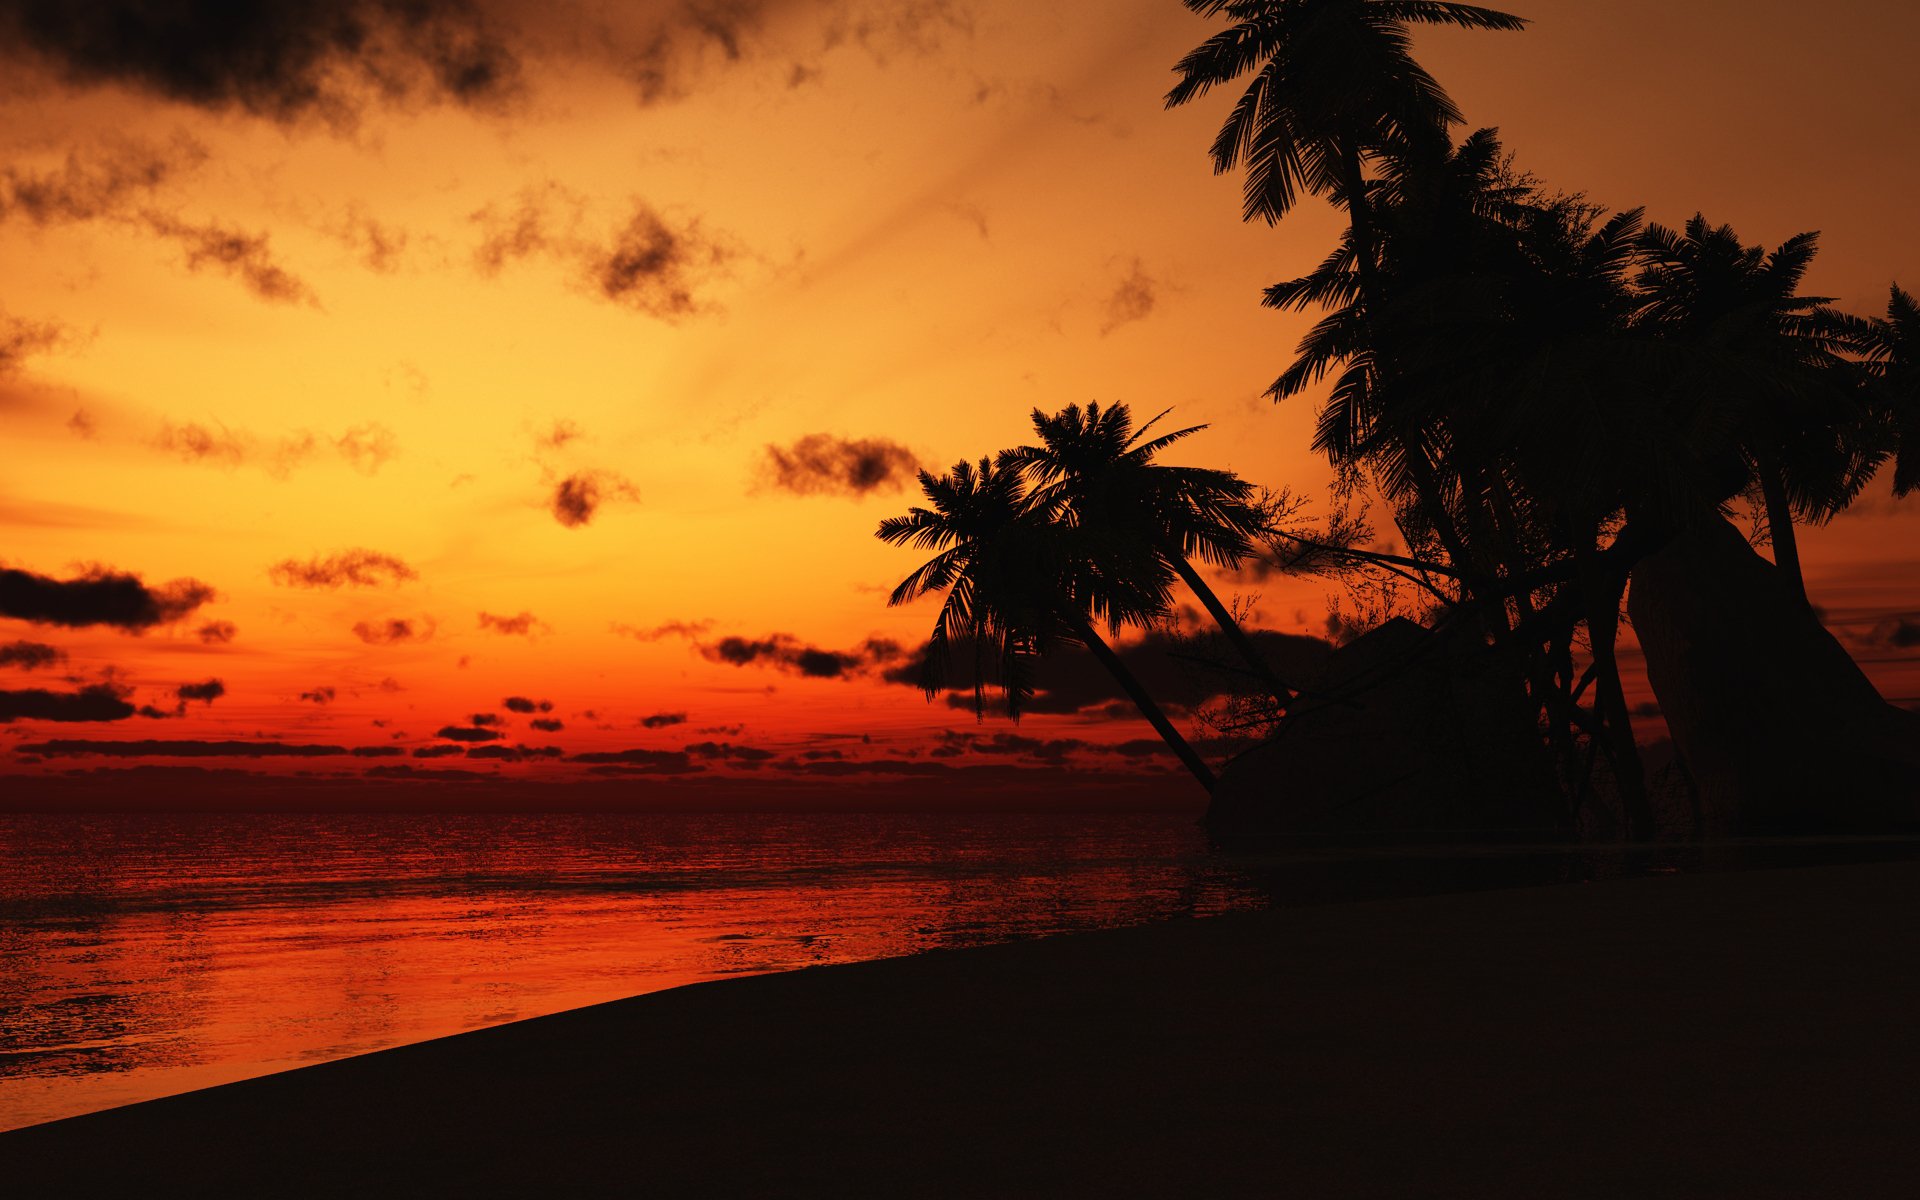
point(146, 955)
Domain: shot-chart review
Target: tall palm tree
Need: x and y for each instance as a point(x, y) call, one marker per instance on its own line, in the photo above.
point(1094, 469)
point(1019, 583)
point(1335, 87)
point(1333, 80)
point(1767, 358)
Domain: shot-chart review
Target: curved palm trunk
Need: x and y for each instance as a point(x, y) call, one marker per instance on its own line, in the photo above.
point(1236, 635)
point(1097, 645)
point(1786, 543)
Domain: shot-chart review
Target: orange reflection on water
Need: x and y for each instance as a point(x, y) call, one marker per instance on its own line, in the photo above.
point(145, 956)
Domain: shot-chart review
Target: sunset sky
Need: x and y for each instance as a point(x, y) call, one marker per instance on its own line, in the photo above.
point(536, 351)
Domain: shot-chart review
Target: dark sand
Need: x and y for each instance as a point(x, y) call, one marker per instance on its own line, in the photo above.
point(1739, 1035)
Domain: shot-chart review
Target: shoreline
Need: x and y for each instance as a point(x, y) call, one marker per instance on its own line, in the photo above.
point(1741, 1032)
point(1675, 1035)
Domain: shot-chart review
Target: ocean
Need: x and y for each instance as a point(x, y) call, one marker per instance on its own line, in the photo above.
point(146, 955)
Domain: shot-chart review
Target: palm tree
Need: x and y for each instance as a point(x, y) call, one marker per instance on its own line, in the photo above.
point(1334, 80)
point(1891, 347)
point(1335, 87)
point(1767, 357)
point(1093, 469)
point(1517, 372)
point(1019, 583)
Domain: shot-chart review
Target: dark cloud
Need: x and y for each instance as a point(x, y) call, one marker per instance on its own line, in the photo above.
point(379, 752)
point(319, 695)
point(831, 768)
point(680, 629)
point(663, 62)
point(346, 569)
point(546, 725)
point(217, 633)
point(151, 748)
point(557, 437)
point(653, 268)
point(1133, 299)
point(407, 771)
point(438, 751)
point(785, 652)
point(1052, 750)
point(728, 752)
point(279, 59)
point(894, 27)
point(246, 256)
point(647, 264)
point(519, 625)
point(521, 230)
point(392, 631)
point(485, 719)
point(106, 183)
point(100, 596)
point(378, 246)
point(464, 733)
point(1900, 632)
point(524, 704)
point(822, 464)
point(194, 442)
point(21, 339)
point(516, 753)
point(364, 448)
point(100, 702)
point(663, 720)
point(579, 496)
point(1071, 680)
point(638, 762)
point(209, 691)
point(30, 656)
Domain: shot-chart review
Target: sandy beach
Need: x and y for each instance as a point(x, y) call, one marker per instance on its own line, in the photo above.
point(1730, 1034)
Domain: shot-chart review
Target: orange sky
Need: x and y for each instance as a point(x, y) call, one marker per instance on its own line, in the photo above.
point(257, 324)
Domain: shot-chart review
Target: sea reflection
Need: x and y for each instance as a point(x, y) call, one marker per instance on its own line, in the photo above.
point(141, 956)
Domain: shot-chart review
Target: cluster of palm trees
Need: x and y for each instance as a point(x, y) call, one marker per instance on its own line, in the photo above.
point(1041, 545)
point(1540, 393)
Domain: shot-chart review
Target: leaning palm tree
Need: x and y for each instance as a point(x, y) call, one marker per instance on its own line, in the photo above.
point(1018, 584)
point(1094, 469)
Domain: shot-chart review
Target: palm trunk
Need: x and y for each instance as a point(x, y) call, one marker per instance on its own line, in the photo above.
point(1236, 635)
point(1425, 485)
point(1097, 645)
point(1610, 701)
point(1786, 543)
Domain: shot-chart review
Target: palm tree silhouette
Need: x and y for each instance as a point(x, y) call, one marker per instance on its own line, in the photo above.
point(1093, 469)
point(1019, 583)
point(1334, 80)
point(1768, 359)
point(1335, 87)
point(1890, 346)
